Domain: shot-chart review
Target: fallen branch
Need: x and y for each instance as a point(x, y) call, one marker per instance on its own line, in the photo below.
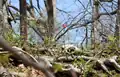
point(72, 58)
point(19, 74)
point(19, 49)
point(112, 61)
point(68, 70)
point(103, 62)
point(5, 52)
point(109, 62)
point(25, 59)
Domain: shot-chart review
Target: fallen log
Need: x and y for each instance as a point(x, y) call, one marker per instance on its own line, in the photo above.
point(24, 58)
point(102, 62)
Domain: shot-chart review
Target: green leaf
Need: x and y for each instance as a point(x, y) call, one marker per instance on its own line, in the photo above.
point(57, 67)
point(4, 58)
point(111, 38)
point(32, 23)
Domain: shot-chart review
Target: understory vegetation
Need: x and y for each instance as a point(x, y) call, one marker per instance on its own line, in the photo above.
point(59, 38)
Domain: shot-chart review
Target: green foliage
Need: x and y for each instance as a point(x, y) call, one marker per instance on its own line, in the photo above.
point(13, 38)
point(32, 23)
point(46, 40)
point(80, 53)
point(31, 41)
point(111, 38)
point(87, 69)
point(9, 36)
point(112, 46)
point(49, 41)
point(4, 59)
point(79, 62)
point(57, 67)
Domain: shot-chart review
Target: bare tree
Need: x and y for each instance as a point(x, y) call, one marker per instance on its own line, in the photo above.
point(51, 7)
point(1, 17)
point(95, 35)
point(117, 27)
point(23, 20)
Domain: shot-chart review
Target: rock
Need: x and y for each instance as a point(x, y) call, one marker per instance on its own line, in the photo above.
point(70, 47)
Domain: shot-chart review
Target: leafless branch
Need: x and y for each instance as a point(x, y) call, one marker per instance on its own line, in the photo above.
point(84, 24)
point(13, 7)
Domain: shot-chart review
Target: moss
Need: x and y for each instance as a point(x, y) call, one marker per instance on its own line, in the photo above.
point(4, 59)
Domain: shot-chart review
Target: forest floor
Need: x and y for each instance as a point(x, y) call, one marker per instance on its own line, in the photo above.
point(83, 63)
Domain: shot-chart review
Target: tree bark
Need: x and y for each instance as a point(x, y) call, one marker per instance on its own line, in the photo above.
point(50, 6)
point(94, 38)
point(117, 27)
point(1, 17)
point(23, 20)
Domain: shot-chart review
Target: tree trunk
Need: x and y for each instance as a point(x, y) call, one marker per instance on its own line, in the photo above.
point(1, 17)
point(50, 6)
point(94, 39)
point(117, 27)
point(86, 35)
point(23, 20)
